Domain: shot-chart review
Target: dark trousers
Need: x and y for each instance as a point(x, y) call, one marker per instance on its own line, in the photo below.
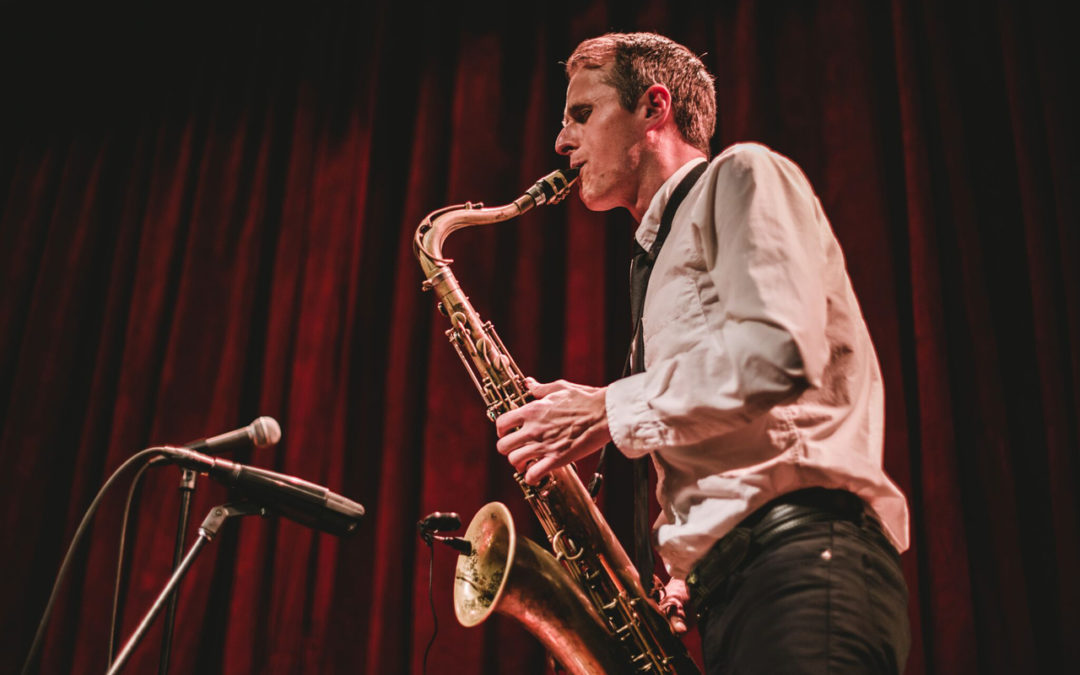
point(826, 597)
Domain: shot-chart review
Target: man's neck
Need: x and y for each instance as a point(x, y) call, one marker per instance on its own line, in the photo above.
point(659, 166)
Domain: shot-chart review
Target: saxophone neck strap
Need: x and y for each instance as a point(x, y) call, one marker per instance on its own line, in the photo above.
point(642, 263)
point(674, 202)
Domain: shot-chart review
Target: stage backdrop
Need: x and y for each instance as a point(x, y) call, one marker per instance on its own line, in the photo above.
point(208, 216)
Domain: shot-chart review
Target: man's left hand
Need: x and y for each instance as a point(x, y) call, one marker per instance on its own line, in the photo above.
point(565, 423)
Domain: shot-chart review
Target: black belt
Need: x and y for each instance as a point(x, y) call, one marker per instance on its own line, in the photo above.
point(765, 526)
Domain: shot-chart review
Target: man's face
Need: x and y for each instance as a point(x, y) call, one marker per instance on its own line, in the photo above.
point(603, 138)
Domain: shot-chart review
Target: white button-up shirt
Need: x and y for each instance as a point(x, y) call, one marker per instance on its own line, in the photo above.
point(760, 374)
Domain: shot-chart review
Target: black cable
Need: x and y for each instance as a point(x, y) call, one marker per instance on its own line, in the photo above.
point(135, 481)
point(79, 532)
point(431, 600)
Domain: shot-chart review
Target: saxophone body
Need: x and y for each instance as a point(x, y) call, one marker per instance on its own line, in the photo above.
point(584, 601)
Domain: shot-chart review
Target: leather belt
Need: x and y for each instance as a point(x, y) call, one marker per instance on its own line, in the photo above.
point(764, 527)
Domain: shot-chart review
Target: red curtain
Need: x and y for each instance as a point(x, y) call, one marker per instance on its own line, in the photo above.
point(207, 217)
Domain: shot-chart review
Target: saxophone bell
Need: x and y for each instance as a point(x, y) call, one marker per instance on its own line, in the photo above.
point(513, 576)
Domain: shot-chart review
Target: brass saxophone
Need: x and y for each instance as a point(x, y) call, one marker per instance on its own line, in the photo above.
point(586, 603)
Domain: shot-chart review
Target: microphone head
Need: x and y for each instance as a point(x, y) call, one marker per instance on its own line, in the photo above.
point(440, 522)
point(264, 432)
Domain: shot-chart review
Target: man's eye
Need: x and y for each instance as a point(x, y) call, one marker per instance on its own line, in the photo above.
point(580, 113)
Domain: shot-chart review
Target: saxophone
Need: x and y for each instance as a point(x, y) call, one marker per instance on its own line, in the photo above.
point(585, 603)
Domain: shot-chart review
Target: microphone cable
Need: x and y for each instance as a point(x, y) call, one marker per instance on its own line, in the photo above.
point(113, 621)
point(80, 531)
point(426, 528)
point(431, 600)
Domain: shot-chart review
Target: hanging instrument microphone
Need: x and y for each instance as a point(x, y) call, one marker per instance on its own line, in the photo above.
point(441, 521)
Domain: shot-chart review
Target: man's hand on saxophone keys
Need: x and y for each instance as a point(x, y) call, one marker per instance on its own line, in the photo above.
point(565, 423)
point(675, 597)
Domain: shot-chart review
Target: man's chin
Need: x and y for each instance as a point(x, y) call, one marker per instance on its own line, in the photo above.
point(593, 202)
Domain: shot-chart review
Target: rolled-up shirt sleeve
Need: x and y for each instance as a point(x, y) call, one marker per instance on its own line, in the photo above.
point(757, 250)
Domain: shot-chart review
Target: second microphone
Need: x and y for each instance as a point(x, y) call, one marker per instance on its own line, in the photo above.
point(306, 503)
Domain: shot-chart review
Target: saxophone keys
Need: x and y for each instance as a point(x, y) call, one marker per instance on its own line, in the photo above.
point(564, 547)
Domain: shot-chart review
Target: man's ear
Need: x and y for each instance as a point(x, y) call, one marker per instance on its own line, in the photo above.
point(656, 104)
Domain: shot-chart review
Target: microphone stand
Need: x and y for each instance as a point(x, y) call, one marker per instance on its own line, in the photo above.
point(209, 528)
point(187, 488)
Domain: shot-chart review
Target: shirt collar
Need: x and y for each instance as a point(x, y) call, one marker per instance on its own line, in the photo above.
point(650, 222)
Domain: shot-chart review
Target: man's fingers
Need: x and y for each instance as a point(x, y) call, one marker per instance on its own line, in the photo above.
point(540, 468)
point(520, 457)
point(674, 598)
point(508, 421)
point(514, 440)
point(542, 389)
point(677, 625)
point(676, 616)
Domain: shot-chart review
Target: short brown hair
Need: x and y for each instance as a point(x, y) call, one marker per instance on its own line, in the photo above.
point(641, 60)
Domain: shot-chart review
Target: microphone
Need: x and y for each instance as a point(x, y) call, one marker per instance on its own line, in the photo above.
point(306, 503)
point(443, 521)
point(262, 433)
point(440, 521)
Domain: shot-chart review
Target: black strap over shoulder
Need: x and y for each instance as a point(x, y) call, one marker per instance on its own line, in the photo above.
point(642, 263)
point(640, 270)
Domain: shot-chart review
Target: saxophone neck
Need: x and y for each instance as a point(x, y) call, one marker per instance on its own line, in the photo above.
point(438, 225)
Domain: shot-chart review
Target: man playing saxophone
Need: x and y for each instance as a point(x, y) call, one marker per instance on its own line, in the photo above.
point(757, 393)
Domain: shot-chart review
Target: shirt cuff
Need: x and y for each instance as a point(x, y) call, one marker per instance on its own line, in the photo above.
point(631, 420)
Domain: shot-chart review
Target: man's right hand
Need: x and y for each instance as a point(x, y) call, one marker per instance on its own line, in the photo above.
point(676, 595)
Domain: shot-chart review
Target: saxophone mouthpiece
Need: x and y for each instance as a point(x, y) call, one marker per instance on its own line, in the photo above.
point(554, 187)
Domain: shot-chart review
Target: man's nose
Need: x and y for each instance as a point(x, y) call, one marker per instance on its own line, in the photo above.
point(563, 143)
